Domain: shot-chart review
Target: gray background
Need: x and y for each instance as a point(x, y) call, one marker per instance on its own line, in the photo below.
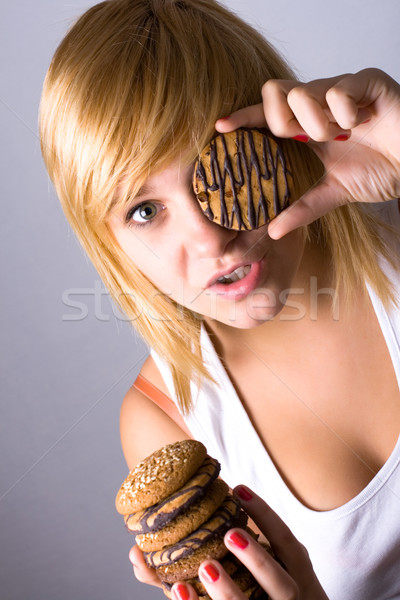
point(66, 366)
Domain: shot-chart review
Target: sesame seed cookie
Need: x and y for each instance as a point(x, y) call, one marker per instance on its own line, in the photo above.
point(160, 514)
point(159, 475)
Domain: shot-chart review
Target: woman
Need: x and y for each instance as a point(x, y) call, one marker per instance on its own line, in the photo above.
point(290, 376)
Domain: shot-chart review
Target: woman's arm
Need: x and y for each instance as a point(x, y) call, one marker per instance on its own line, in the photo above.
point(352, 122)
point(144, 429)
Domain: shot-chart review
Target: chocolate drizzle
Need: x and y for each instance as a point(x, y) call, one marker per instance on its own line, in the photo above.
point(219, 522)
point(157, 516)
point(250, 166)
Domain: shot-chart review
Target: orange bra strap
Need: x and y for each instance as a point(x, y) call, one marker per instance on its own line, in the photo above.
point(162, 400)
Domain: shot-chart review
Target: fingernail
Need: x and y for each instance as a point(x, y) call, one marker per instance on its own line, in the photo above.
point(301, 138)
point(181, 592)
point(364, 122)
point(238, 540)
point(210, 573)
point(342, 137)
point(243, 494)
point(224, 118)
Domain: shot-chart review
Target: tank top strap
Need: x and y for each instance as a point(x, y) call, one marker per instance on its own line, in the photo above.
point(158, 397)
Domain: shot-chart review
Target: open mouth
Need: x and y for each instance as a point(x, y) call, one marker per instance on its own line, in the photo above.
point(236, 275)
point(239, 283)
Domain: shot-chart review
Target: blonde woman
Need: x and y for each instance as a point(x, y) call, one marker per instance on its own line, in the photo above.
point(289, 370)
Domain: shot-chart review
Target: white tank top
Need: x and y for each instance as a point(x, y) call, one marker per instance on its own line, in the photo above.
point(355, 549)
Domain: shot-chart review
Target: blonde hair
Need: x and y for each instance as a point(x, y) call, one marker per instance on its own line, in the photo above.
point(133, 86)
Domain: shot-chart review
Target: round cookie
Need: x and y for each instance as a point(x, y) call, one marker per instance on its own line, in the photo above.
point(238, 573)
point(219, 522)
point(185, 523)
point(252, 591)
point(188, 566)
point(159, 475)
point(242, 179)
point(233, 567)
point(157, 516)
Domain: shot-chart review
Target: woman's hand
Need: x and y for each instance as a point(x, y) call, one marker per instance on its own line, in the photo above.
point(298, 581)
point(352, 122)
point(142, 572)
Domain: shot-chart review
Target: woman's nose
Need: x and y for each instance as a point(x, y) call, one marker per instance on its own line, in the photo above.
point(203, 238)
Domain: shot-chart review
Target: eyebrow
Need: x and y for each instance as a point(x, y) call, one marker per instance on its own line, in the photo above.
point(145, 189)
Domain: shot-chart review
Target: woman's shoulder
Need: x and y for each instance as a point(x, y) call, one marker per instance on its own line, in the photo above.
point(144, 426)
point(151, 372)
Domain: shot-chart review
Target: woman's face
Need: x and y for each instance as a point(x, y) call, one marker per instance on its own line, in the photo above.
point(190, 259)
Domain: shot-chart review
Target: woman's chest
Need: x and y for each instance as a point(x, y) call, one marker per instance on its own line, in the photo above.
point(326, 406)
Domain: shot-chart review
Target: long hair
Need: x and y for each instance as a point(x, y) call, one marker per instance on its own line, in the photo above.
point(133, 86)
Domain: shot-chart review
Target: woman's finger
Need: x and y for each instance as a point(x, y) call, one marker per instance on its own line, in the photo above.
point(183, 591)
point(217, 582)
point(250, 116)
point(267, 571)
point(358, 91)
point(284, 544)
point(142, 572)
point(315, 203)
point(322, 109)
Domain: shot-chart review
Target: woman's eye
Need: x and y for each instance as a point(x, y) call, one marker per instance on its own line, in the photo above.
point(143, 213)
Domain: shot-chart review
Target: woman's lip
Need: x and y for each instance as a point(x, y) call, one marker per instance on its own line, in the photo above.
point(226, 272)
point(241, 288)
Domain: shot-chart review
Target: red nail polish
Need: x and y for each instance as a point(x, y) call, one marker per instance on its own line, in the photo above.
point(181, 592)
point(301, 138)
point(364, 122)
point(341, 138)
point(243, 494)
point(210, 572)
point(224, 118)
point(238, 540)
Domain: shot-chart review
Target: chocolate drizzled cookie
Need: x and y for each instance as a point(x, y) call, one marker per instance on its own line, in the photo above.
point(158, 515)
point(179, 510)
point(242, 179)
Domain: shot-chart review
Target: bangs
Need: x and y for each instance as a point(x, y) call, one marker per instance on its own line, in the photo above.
point(143, 83)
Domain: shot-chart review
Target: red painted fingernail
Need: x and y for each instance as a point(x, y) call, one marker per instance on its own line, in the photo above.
point(181, 592)
point(301, 138)
point(341, 138)
point(210, 572)
point(363, 122)
point(224, 118)
point(244, 494)
point(238, 540)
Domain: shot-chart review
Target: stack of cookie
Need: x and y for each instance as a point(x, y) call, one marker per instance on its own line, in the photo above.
point(179, 511)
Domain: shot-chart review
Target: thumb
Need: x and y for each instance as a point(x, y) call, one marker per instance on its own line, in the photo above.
point(142, 572)
point(316, 202)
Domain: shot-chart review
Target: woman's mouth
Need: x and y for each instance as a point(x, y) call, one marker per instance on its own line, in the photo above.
point(236, 275)
point(239, 283)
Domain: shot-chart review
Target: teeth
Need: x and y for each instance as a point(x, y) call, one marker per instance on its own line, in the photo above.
point(237, 274)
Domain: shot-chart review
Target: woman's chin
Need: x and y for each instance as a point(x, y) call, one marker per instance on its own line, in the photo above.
point(252, 316)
